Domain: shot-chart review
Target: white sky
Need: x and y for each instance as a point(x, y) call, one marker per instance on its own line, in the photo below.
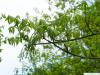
point(16, 7)
point(20, 7)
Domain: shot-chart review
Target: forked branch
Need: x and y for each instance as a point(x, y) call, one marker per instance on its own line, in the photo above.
point(67, 51)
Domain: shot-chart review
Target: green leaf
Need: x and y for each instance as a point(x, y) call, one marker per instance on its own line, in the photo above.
point(11, 41)
point(10, 19)
point(11, 29)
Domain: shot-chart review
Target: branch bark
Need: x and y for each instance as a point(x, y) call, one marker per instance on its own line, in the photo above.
point(62, 41)
point(67, 51)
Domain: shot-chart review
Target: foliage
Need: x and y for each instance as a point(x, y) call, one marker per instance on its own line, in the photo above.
point(68, 44)
point(1, 37)
point(0, 41)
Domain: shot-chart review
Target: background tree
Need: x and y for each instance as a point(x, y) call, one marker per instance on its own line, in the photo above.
point(66, 42)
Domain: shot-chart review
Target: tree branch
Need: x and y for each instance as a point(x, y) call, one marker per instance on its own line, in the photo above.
point(62, 41)
point(67, 51)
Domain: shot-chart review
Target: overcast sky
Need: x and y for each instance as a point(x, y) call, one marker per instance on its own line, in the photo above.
point(15, 7)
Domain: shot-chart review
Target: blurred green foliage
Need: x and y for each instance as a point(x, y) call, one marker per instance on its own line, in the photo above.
point(68, 44)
